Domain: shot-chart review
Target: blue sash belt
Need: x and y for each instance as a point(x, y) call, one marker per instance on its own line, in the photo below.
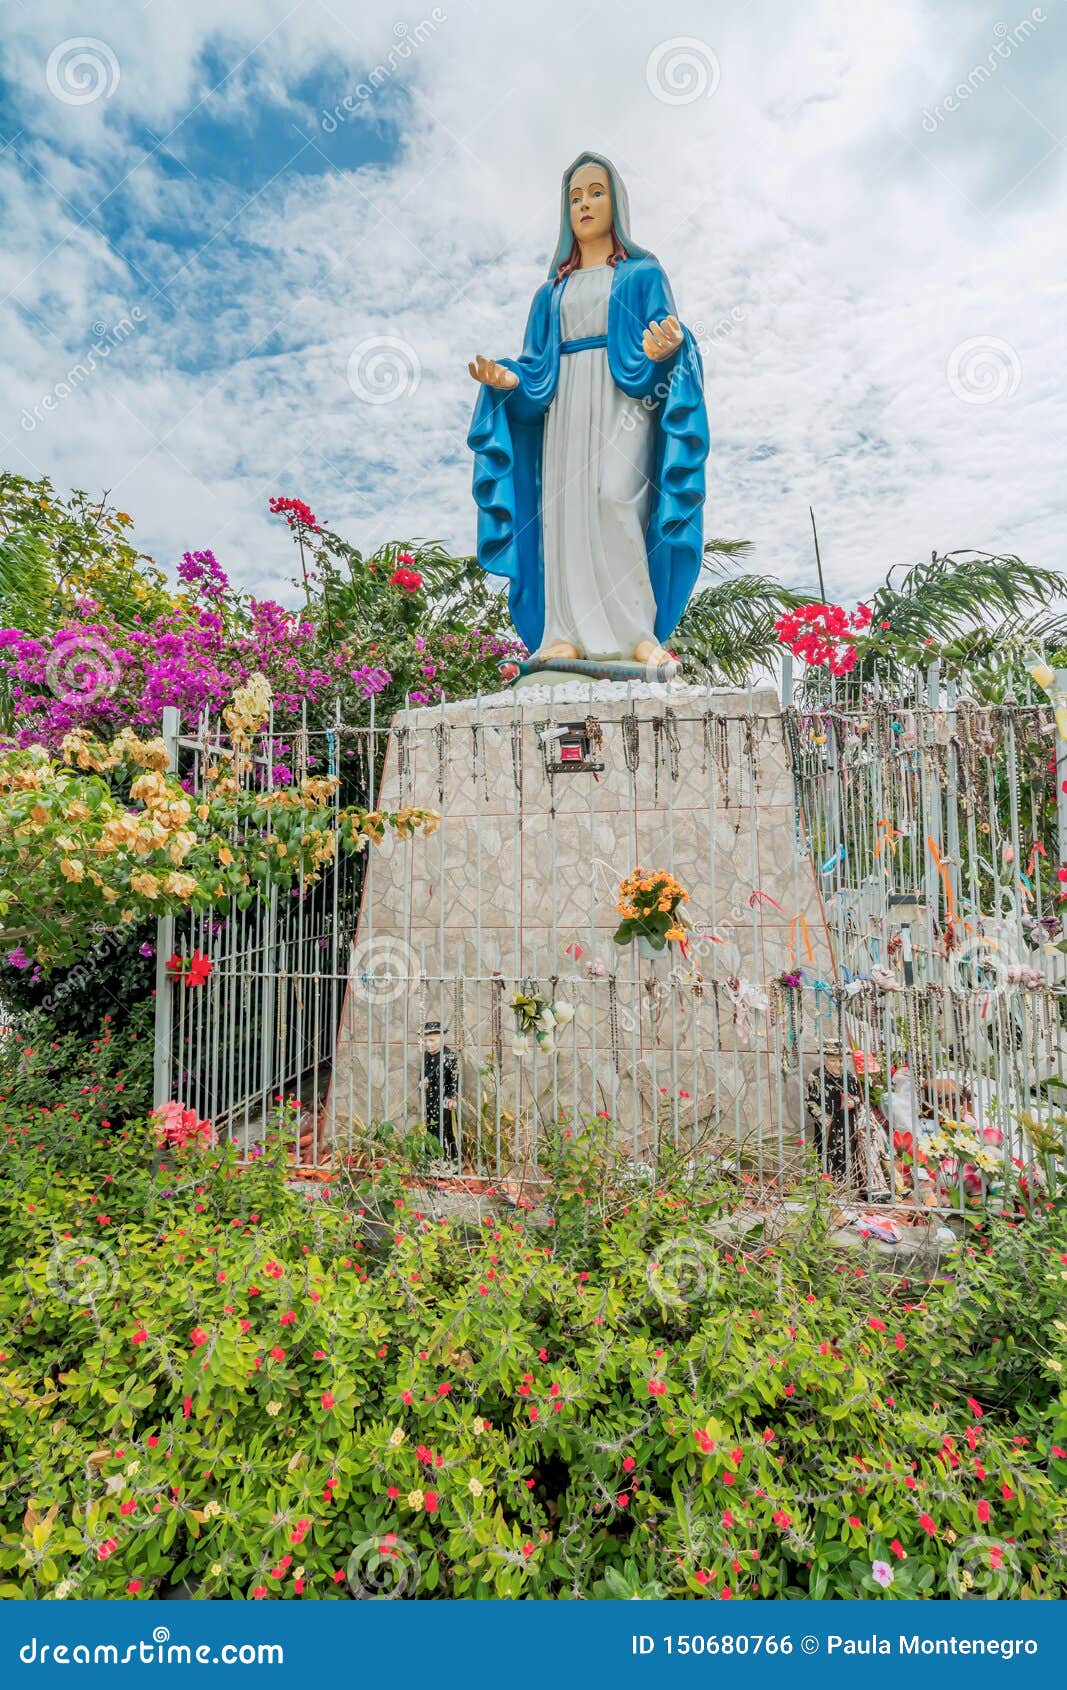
point(585, 344)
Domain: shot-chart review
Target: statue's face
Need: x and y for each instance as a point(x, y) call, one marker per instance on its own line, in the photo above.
point(590, 202)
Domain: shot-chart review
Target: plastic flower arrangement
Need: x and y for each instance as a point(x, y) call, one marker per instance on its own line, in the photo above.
point(824, 635)
point(650, 906)
point(969, 1160)
point(536, 1020)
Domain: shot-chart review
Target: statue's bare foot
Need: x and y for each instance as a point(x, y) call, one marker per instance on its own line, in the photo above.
point(558, 648)
point(655, 656)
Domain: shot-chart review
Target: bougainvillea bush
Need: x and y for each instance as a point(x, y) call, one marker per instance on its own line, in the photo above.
point(107, 836)
point(209, 1379)
point(103, 647)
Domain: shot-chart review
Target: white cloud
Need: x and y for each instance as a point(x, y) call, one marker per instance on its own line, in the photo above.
point(834, 252)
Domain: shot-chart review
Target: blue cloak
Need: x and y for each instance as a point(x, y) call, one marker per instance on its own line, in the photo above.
point(506, 437)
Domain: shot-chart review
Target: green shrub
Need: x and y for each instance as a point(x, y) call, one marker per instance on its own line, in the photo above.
point(64, 1090)
point(208, 1375)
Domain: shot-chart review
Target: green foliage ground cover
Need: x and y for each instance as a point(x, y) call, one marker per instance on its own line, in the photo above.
point(208, 1376)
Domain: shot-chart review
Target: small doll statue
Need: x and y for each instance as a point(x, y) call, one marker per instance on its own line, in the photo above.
point(440, 1089)
point(590, 447)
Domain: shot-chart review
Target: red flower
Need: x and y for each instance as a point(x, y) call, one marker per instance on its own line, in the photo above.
point(197, 1337)
point(409, 580)
point(898, 1549)
point(975, 1408)
point(327, 1399)
point(705, 1443)
point(527, 1550)
point(623, 1500)
point(875, 1324)
point(657, 1387)
point(429, 1501)
point(782, 1519)
point(927, 1525)
point(1006, 1492)
point(852, 1520)
point(187, 1407)
point(139, 1335)
point(295, 512)
point(200, 967)
point(629, 1464)
point(133, 1587)
point(983, 1512)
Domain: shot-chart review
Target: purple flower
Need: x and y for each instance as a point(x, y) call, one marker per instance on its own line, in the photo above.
point(146, 949)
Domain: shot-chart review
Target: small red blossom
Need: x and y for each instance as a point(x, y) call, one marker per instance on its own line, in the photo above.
point(408, 580)
point(295, 512)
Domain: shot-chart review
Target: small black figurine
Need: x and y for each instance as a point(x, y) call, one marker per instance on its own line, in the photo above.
point(440, 1086)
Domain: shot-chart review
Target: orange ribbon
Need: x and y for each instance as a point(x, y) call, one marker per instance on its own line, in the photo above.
point(801, 922)
point(942, 869)
point(890, 835)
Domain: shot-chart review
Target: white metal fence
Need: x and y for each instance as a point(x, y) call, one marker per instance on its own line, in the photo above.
point(897, 1011)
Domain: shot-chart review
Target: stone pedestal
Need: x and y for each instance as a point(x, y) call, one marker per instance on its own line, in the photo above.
point(519, 886)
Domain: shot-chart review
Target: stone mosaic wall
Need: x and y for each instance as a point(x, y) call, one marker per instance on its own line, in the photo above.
point(520, 884)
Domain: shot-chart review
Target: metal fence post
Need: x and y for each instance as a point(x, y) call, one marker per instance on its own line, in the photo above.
point(787, 680)
point(162, 1049)
point(1061, 794)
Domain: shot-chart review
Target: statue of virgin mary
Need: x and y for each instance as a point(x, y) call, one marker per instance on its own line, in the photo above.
point(589, 449)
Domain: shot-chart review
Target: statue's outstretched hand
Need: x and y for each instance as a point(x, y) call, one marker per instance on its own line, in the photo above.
point(661, 339)
point(493, 375)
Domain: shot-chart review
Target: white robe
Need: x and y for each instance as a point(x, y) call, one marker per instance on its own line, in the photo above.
point(595, 495)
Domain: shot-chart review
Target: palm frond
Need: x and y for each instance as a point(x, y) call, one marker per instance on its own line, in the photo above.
point(26, 585)
point(727, 630)
point(957, 590)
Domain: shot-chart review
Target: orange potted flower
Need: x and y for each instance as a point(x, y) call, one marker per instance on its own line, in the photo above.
point(650, 906)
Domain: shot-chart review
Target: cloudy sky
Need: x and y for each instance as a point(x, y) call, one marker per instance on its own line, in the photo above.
point(266, 236)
